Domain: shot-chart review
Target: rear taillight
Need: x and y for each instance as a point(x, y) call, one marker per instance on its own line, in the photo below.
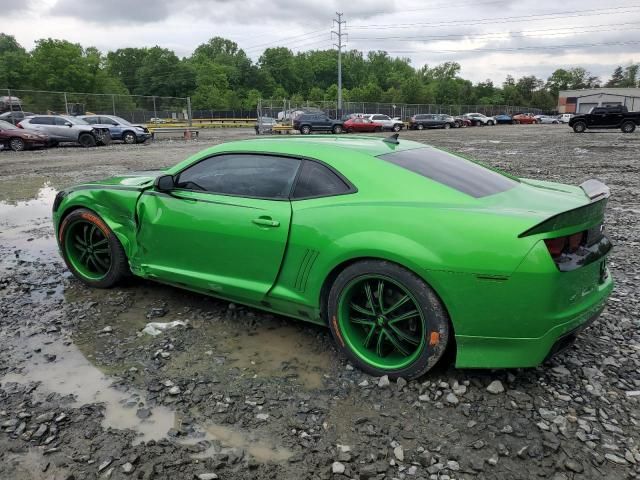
point(569, 244)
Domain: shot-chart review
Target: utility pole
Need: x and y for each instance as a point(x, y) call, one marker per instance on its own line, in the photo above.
point(339, 22)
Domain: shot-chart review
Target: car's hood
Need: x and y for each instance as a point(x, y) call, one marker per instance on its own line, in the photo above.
point(132, 180)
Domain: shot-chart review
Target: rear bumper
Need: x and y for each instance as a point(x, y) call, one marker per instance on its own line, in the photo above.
point(505, 352)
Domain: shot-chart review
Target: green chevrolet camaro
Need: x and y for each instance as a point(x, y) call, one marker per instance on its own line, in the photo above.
point(401, 249)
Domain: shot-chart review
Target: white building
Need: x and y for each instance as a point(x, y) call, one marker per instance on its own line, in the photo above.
point(583, 100)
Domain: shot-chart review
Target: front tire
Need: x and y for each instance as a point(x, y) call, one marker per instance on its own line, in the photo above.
point(490, 123)
point(446, 126)
point(91, 250)
point(386, 320)
point(336, 129)
point(579, 127)
point(87, 140)
point(397, 127)
point(305, 130)
point(628, 127)
point(16, 144)
point(130, 138)
point(420, 126)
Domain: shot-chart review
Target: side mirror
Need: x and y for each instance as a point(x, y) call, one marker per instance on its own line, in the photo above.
point(165, 183)
point(68, 124)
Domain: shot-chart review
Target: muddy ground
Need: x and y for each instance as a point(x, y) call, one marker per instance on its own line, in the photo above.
point(236, 393)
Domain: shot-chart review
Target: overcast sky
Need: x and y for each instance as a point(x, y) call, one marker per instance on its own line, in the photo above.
point(489, 38)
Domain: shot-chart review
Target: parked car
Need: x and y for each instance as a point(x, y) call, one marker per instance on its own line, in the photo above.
point(565, 117)
point(119, 128)
point(18, 139)
point(15, 117)
point(61, 128)
point(316, 122)
point(8, 104)
point(548, 119)
point(264, 125)
point(525, 118)
point(387, 122)
point(503, 118)
point(362, 125)
point(463, 121)
point(403, 250)
point(606, 118)
point(432, 120)
point(478, 119)
point(157, 120)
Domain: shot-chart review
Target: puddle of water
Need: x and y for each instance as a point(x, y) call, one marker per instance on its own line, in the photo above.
point(72, 374)
point(277, 352)
point(260, 449)
point(32, 465)
point(26, 226)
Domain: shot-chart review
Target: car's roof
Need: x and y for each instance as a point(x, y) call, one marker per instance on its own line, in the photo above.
point(369, 145)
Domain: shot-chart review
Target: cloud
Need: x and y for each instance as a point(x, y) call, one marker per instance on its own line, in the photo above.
point(303, 13)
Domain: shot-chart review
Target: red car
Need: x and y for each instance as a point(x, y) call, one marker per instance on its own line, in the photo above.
point(362, 125)
point(17, 139)
point(524, 118)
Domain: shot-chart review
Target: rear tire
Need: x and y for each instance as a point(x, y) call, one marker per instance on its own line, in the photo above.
point(420, 126)
point(386, 320)
point(336, 129)
point(305, 130)
point(446, 126)
point(579, 127)
point(17, 144)
point(87, 140)
point(91, 250)
point(628, 127)
point(397, 128)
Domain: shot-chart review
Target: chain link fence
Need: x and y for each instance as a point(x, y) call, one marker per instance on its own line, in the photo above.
point(283, 109)
point(134, 108)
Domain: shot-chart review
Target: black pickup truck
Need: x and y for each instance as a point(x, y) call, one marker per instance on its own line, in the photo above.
point(606, 117)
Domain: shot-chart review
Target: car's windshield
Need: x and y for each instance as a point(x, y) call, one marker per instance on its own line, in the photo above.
point(75, 120)
point(453, 171)
point(7, 126)
point(121, 121)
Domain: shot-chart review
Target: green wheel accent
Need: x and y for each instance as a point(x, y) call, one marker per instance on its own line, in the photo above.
point(381, 322)
point(88, 250)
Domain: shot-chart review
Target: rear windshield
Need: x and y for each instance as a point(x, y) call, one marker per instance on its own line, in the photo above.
point(453, 171)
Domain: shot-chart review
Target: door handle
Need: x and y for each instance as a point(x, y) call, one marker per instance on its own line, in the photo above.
point(266, 222)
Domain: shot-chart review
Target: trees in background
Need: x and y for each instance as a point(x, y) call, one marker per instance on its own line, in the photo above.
point(219, 75)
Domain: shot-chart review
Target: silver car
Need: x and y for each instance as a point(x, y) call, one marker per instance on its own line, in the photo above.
point(64, 128)
point(547, 119)
point(387, 122)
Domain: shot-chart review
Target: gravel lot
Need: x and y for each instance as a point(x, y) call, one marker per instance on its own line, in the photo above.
point(235, 393)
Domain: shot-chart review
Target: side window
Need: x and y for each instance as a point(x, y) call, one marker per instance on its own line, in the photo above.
point(92, 120)
point(246, 175)
point(59, 121)
point(42, 121)
point(316, 180)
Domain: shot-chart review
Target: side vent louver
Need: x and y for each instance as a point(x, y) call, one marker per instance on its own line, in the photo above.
point(308, 260)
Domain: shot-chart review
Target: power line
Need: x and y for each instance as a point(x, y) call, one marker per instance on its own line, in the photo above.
point(560, 31)
point(258, 45)
point(522, 18)
point(514, 49)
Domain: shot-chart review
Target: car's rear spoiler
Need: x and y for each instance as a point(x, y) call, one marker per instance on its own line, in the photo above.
point(596, 191)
